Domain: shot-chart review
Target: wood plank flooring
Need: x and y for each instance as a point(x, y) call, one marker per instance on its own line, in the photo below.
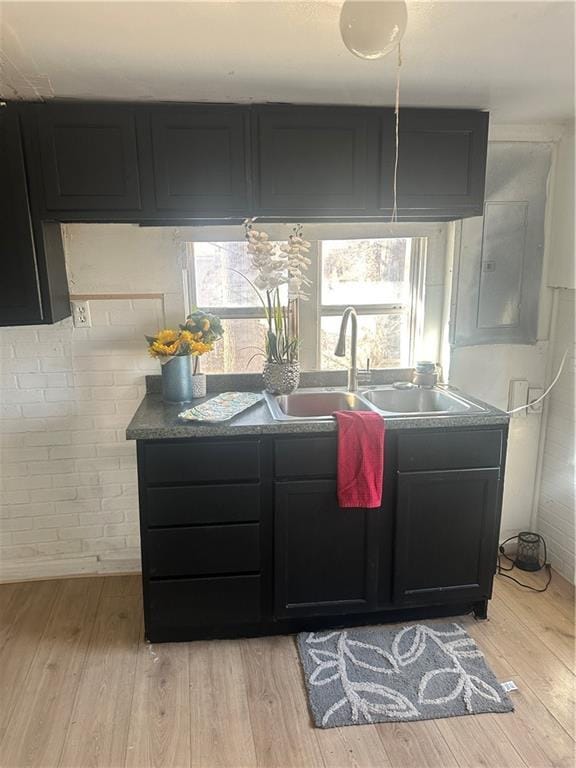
point(80, 688)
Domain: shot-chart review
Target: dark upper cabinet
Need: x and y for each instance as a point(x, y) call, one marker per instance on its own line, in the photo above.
point(441, 162)
point(325, 557)
point(446, 535)
point(33, 288)
point(89, 158)
point(126, 162)
point(313, 161)
point(201, 160)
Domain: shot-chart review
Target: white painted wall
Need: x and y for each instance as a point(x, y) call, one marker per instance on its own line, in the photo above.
point(557, 500)
point(68, 502)
point(67, 475)
point(485, 372)
point(128, 259)
point(562, 271)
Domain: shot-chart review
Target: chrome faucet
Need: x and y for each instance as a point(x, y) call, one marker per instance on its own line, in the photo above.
point(340, 350)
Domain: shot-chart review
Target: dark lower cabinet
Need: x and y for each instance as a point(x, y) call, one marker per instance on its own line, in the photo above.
point(200, 604)
point(325, 557)
point(446, 535)
point(34, 287)
point(208, 549)
point(244, 536)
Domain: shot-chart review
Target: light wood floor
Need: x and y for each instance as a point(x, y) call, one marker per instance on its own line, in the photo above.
point(80, 687)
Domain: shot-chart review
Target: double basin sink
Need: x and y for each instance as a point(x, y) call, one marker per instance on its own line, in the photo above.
point(320, 404)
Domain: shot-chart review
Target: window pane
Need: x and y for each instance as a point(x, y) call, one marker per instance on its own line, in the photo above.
point(216, 284)
point(366, 271)
point(241, 341)
point(381, 338)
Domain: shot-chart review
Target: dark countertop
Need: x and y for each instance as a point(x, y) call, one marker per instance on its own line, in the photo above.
point(156, 420)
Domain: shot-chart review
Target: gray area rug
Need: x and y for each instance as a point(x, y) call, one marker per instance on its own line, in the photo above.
point(377, 674)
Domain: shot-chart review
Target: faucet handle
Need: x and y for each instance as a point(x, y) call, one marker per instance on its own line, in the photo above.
point(365, 374)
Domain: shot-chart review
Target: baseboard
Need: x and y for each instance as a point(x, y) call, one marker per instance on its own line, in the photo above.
point(58, 569)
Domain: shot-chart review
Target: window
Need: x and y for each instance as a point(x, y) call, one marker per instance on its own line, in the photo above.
point(374, 277)
point(216, 285)
point(382, 278)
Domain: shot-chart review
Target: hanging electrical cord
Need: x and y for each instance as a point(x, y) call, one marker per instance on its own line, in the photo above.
point(501, 571)
point(394, 216)
point(547, 391)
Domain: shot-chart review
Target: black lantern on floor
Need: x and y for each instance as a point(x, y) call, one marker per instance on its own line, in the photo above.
point(528, 551)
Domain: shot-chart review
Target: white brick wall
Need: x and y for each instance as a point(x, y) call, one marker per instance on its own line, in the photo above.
point(68, 493)
point(68, 489)
point(557, 507)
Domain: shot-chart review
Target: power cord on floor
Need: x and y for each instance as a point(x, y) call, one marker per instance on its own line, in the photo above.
point(501, 571)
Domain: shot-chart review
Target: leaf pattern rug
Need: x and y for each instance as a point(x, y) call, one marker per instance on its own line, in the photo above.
point(377, 674)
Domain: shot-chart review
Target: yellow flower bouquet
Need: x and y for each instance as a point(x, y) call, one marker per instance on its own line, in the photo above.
point(173, 343)
point(195, 338)
point(179, 351)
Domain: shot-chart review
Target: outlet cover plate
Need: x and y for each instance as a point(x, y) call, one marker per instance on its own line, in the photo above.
point(81, 314)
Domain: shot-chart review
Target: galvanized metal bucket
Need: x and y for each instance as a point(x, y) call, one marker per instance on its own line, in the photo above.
point(177, 376)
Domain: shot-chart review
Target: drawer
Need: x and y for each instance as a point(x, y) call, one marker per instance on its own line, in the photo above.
point(199, 461)
point(195, 505)
point(200, 602)
point(305, 457)
point(203, 550)
point(450, 450)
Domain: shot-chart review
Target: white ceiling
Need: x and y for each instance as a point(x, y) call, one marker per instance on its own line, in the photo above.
point(514, 58)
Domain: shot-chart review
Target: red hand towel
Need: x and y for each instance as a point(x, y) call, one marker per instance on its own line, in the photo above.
point(360, 458)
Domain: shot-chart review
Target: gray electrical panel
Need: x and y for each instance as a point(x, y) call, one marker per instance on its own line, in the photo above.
point(498, 259)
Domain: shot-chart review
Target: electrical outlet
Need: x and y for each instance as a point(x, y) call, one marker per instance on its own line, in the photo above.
point(533, 394)
point(81, 314)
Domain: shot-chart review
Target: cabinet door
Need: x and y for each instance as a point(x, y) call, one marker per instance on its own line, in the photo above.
point(20, 300)
point(441, 162)
point(316, 159)
point(89, 157)
point(325, 556)
point(446, 535)
point(201, 159)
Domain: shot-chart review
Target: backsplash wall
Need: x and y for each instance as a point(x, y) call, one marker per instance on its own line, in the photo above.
point(68, 501)
point(67, 473)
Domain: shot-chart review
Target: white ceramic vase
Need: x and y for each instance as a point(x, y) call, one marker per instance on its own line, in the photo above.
point(199, 385)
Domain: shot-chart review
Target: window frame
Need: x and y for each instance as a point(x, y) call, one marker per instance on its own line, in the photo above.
point(310, 313)
point(191, 297)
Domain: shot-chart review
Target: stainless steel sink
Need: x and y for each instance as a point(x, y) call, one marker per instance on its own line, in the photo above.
point(418, 401)
point(320, 404)
point(313, 404)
